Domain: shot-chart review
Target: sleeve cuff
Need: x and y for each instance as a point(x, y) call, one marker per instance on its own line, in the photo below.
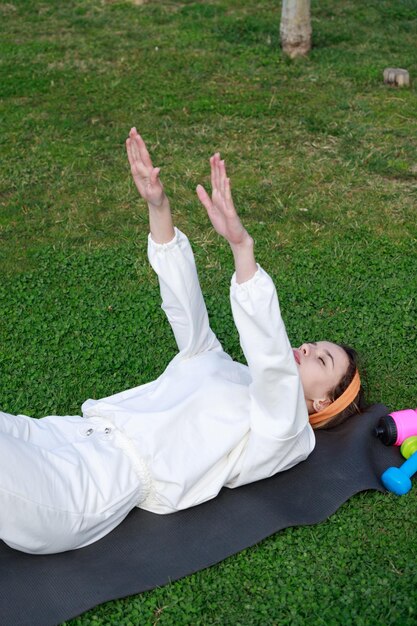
point(242, 287)
point(169, 244)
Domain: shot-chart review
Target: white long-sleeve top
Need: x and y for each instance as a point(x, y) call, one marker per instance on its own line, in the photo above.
point(208, 421)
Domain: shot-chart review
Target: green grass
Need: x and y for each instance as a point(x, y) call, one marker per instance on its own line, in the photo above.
point(323, 160)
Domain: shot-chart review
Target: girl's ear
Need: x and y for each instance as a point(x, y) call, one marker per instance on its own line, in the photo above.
point(319, 405)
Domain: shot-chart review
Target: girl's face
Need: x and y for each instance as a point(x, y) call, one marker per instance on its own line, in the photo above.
point(321, 365)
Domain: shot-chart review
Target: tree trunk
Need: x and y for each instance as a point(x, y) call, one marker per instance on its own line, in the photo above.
point(295, 27)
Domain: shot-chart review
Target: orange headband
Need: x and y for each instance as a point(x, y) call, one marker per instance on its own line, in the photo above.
point(340, 404)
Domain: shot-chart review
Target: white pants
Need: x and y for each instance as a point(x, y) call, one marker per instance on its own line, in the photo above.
point(64, 482)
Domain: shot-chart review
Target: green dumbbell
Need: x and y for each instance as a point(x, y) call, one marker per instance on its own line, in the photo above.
point(409, 446)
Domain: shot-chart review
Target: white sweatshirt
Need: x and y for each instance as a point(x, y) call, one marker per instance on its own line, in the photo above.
point(208, 421)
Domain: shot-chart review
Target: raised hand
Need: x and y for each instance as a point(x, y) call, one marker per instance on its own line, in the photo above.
point(225, 220)
point(146, 178)
point(145, 175)
point(220, 208)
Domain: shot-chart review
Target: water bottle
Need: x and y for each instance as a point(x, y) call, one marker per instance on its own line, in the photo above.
point(394, 428)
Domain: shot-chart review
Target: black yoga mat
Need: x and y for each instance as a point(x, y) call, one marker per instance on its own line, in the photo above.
point(149, 550)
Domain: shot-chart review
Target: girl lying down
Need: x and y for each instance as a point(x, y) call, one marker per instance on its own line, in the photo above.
point(205, 423)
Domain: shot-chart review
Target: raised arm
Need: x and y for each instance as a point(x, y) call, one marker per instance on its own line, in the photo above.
point(146, 178)
point(279, 433)
point(172, 258)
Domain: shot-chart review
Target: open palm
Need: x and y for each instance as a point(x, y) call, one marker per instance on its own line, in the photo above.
point(145, 175)
point(220, 208)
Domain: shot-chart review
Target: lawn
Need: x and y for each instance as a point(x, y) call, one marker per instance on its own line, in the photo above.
point(323, 161)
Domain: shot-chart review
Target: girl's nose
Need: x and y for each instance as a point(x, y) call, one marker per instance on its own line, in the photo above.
point(305, 349)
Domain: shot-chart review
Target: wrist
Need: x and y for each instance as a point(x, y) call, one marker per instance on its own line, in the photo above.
point(245, 264)
point(160, 221)
point(245, 244)
point(159, 206)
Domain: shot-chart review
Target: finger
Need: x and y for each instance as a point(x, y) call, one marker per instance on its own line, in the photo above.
point(135, 149)
point(133, 133)
point(154, 175)
point(222, 174)
point(136, 165)
point(213, 172)
point(129, 152)
point(204, 197)
point(143, 151)
point(224, 171)
point(218, 174)
point(228, 193)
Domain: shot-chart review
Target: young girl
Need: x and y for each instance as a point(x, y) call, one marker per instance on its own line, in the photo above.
point(205, 423)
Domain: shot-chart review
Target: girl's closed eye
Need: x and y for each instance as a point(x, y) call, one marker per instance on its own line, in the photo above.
point(322, 360)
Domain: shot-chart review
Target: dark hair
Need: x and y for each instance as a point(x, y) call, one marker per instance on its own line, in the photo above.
point(358, 404)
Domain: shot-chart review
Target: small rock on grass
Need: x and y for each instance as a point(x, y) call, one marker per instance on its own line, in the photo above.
point(396, 76)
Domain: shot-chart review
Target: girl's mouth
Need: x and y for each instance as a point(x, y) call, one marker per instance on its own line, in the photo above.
point(296, 355)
